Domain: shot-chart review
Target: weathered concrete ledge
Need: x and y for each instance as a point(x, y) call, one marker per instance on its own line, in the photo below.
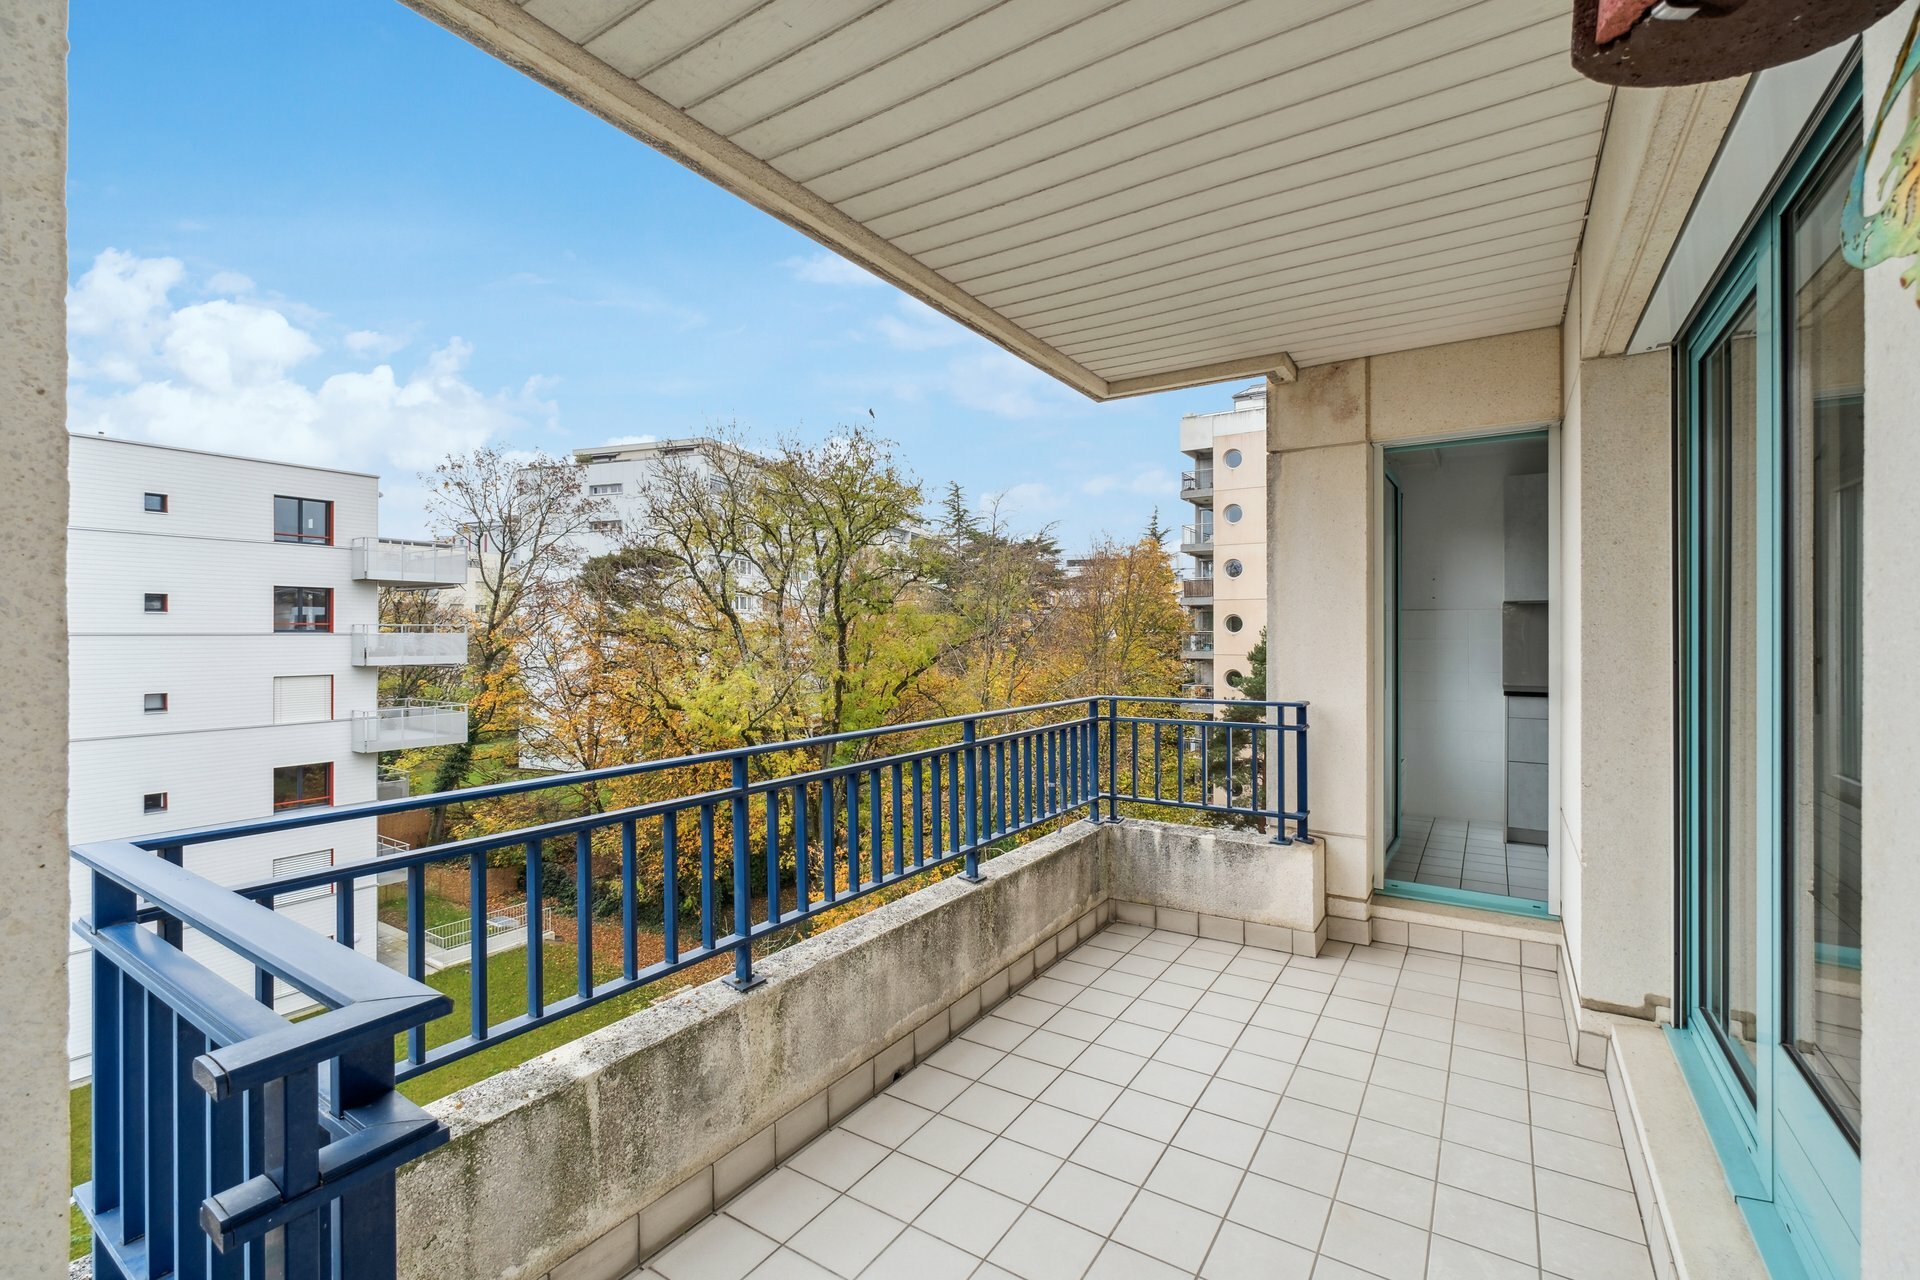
point(560, 1155)
point(1237, 885)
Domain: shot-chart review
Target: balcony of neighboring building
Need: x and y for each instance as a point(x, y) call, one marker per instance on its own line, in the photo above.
point(1196, 539)
point(1196, 486)
point(409, 723)
point(388, 645)
point(1197, 644)
point(404, 562)
point(1196, 588)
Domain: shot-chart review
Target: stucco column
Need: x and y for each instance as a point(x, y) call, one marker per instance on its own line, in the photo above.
point(1616, 790)
point(33, 657)
point(1319, 607)
point(1890, 730)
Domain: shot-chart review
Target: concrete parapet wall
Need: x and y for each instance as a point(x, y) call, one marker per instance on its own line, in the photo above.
point(580, 1163)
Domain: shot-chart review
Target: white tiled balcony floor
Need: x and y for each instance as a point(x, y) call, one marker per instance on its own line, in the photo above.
point(1155, 1105)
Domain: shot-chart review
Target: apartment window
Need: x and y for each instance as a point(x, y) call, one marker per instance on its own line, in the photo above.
point(303, 520)
point(1233, 622)
point(1234, 678)
point(156, 602)
point(303, 608)
point(299, 864)
point(1232, 458)
point(154, 802)
point(605, 526)
point(297, 786)
point(154, 702)
point(156, 503)
point(603, 490)
point(1235, 568)
point(1232, 513)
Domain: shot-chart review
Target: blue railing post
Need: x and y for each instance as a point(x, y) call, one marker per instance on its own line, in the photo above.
point(1300, 781)
point(1113, 759)
point(743, 975)
point(971, 784)
point(1089, 760)
point(1276, 786)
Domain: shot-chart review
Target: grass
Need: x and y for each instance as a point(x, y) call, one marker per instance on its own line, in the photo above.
point(439, 910)
point(507, 998)
point(80, 1159)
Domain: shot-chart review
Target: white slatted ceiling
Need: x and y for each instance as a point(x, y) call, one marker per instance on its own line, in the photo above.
point(1148, 186)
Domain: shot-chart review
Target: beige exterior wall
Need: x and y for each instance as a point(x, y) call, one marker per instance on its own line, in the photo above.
point(33, 670)
point(1324, 436)
point(1207, 439)
point(1890, 873)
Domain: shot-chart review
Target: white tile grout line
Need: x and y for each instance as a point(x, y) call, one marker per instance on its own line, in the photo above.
point(1334, 963)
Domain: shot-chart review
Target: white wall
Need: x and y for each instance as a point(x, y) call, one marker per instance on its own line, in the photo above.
point(215, 655)
point(1453, 583)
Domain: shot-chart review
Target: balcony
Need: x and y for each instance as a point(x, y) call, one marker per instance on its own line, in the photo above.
point(1197, 643)
point(1197, 486)
point(1196, 539)
point(966, 791)
point(409, 646)
point(399, 562)
point(403, 725)
point(1196, 588)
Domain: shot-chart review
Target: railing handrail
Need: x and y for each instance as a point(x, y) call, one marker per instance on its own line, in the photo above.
point(321, 815)
point(410, 704)
point(437, 544)
point(385, 628)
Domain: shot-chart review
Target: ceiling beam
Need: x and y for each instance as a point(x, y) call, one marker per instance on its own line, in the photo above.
point(1279, 366)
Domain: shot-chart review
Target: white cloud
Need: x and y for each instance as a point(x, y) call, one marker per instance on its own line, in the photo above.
point(229, 282)
point(371, 342)
point(229, 376)
point(1151, 481)
point(1031, 500)
point(830, 268)
point(918, 327)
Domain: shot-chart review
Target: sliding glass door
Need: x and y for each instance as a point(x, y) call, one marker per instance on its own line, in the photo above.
point(1772, 488)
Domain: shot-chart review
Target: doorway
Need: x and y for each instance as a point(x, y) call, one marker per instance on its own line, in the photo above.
point(1465, 536)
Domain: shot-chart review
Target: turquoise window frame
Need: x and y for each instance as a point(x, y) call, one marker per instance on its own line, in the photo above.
point(1792, 1168)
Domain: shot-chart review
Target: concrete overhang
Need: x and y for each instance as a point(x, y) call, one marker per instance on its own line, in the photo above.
point(1132, 195)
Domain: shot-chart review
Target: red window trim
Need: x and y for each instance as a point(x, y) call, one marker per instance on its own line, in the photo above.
point(298, 630)
point(306, 539)
point(307, 802)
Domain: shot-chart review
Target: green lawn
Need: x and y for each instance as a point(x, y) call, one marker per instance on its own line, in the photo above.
point(507, 998)
point(439, 910)
point(80, 1157)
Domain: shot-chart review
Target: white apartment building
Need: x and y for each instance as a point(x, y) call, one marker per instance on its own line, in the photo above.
point(618, 476)
point(1223, 544)
point(225, 647)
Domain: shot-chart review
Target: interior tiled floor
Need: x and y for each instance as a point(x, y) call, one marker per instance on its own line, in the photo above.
point(1454, 853)
point(1156, 1105)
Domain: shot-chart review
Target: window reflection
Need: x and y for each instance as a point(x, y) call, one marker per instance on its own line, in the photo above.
point(1825, 451)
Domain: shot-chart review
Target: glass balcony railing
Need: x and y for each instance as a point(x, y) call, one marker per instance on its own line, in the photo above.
point(408, 646)
point(399, 562)
point(400, 726)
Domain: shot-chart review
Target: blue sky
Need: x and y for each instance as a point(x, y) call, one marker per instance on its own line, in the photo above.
point(338, 234)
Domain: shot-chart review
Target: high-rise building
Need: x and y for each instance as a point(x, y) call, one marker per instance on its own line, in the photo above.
point(1223, 545)
point(225, 647)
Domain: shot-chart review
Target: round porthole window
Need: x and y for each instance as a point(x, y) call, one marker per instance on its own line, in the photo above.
point(1233, 622)
point(1234, 568)
point(1232, 513)
point(1234, 678)
point(1233, 458)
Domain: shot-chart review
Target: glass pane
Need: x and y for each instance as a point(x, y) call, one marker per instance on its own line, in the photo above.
point(1729, 959)
point(1824, 417)
point(286, 518)
point(313, 520)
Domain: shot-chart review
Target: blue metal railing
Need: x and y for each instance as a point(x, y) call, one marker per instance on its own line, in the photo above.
point(771, 836)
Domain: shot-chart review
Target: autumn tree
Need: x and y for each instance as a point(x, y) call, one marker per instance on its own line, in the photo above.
point(1115, 625)
point(521, 515)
